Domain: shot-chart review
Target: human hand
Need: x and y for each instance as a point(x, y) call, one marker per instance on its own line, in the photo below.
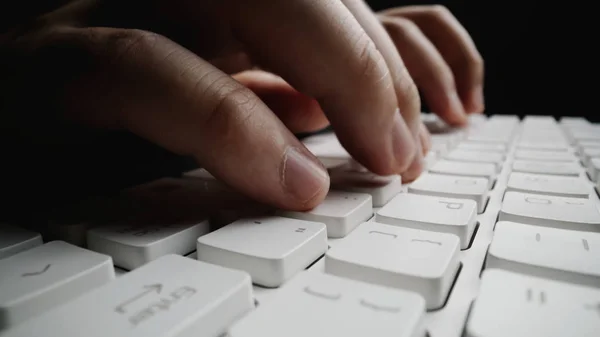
point(161, 70)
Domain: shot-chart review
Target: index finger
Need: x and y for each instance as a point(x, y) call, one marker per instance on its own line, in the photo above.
point(322, 51)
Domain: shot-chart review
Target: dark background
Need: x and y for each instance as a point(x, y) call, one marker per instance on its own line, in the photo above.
point(540, 56)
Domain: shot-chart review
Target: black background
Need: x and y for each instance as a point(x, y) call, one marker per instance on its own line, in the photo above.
point(540, 56)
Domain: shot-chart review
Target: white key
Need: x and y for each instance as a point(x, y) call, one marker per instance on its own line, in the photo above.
point(477, 157)
point(430, 158)
point(558, 212)
point(270, 249)
point(574, 187)
point(551, 253)
point(588, 154)
point(172, 296)
point(554, 168)
point(420, 261)
point(328, 149)
point(475, 146)
point(516, 305)
point(594, 169)
point(443, 215)
point(14, 240)
point(133, 246)
point(581, 146)
point(452, 187)
point(462, 169)
point(544, 156)
point(48, 276)
point(381, 188)
point(321, 305)
point(340, 211)
point(543, 145)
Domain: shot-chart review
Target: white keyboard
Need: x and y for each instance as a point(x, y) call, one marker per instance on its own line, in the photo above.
point(499, 238)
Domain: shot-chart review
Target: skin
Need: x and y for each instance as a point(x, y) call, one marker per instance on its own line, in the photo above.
point(229, 82)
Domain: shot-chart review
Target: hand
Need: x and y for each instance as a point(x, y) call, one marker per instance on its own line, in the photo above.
point(175, 73)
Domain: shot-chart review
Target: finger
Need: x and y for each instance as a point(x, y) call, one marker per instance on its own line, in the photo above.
point(159, 91)
point(455, 45)
point(322, 51)
point(297, 111)
point(428, 68)
point(425, 139)
point(405, 89)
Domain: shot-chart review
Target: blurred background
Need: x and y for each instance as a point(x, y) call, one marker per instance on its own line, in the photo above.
point(540, 56)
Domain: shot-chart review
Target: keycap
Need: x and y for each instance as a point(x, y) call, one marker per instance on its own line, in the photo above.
point(270, 249)
point(340, 211)
point(476, 157)
point(551, 253)
point(588, 154)
point(14, 240)
point(516, 305)
point(405, 258)
point(443, 186)
point(476, 146)
point(544, 156)
point(544, 145)
point(327, 149)
point(574, 187)
point(318, 305)
point(171, 296)
point(553, 168)
point(558, 212)
point(381, 188)
point(455, 168)
point(48, 276)
point(594, 169)
point(583, 145)
point(443, 215)
point(132, 246)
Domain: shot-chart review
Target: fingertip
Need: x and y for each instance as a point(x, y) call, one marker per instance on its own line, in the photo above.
point(416, 167)
point(476, 101)
point(305, 180)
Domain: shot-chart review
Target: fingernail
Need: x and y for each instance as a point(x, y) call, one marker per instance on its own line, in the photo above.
point(403, 143)
point(457, 107)
point(477, 100)
point(303, 175)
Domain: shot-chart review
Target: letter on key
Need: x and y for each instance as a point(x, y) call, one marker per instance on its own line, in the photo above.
point(171, 296)
point(47, 276)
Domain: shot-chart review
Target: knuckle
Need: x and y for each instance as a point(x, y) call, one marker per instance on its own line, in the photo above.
point(233, 106)
point(126, 43)
point(372, 65)
point(440, 12)
point(401, 27)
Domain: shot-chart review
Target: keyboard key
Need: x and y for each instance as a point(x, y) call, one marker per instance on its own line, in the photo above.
point(270, 249)
point(523, 306)
point(574, 187)
point(477, 157)
point(14, 240)
point(328, 149)
point(571, 169)
point(420, 261)
point(594, 169)
point(318, 304)
point(443, 215)
point(588, 154)
point(381, 188)
point(340, 211)
point(544, 156)
point(171, 296)
point(455, 168)
point(47, 276)
point(551, 253)
point(443, 186)
point(475, 146)
point(132, 246)
point(544, 145)
point(558, 212)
